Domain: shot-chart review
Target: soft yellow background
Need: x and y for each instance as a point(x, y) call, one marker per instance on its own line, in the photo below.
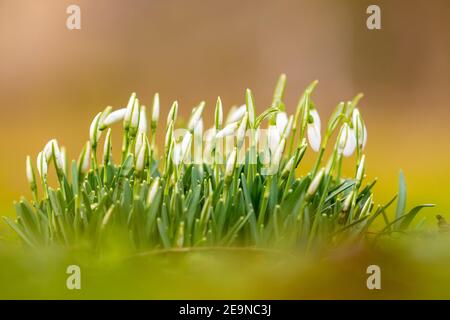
point(53, 81)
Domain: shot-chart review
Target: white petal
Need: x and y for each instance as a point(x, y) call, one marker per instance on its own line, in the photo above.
point(30, 175)
point(140, 159)
point(350, 144)
point(237, 114)
point(273, 138)
point(155, 110)
point(288, 128)
point(114, 117)
point(228, 130)
point(281, 121)
point(314, 136)
point(185, 144)
point(142, 127)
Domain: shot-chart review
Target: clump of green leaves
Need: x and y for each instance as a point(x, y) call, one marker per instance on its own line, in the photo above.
point(216, 197)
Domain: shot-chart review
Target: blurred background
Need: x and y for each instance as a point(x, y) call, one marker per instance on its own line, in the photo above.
point(54, 80)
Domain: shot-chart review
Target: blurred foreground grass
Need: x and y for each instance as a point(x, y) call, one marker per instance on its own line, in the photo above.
point(411, 268)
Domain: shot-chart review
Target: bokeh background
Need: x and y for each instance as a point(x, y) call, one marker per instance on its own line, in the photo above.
point(54, 80)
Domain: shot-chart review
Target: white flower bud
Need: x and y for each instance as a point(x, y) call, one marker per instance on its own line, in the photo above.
point(135, 115)
point(155, 110)
point(153, 190)
point(237, 114)
point(129, 111)
point(360, 171)
point(196, 116)
point(313, 130)
point(281, 121)
point(288, 167)
point(278, 154)
point(112, 118)
point(274, 138)
point(140, 159)
point(140, 141)
point(230, 165)
point(360, 128)
point(315, 183)
point(94, 132)
point(240, 135)
point(348, 202)
point(142, 127)
point(227, 131)
point(30, 173)
point(347, 141)
point(85, 157)
point(172, 116)
point(42, 164)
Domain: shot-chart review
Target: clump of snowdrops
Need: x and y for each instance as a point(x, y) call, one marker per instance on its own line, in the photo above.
point(233, 184)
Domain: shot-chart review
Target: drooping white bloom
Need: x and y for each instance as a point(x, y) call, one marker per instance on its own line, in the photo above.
point(281, 121)
point(228, 130)
point(155, 110)
point(347, 141)
point(237, 114)
point(313, 130)
point(288, 128)
point(142, 127)
point(273, 138)
point(113, 117)
point(275, 161)
point(42, 164)
point(360, 128)
point(30, 172)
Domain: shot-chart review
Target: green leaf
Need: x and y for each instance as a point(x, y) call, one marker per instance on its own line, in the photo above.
point(401, 201)
point(409, 217)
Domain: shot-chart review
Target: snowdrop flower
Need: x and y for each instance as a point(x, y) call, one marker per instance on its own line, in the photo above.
point(112, 118)
point(140, 158)
point(288, 127)
point(181, 149)
point(153, 190)
point(229, 167)
point(172, 116)
point(315, 183)
point(52, 148)
point(196, 116)
point(347, 141)
point(313, 130)
point(135, 115)
point(237, 114)
point(142, 126)
point(140, 141)
point(281, 121)
point(30, 173)
point(288, 167)
point(84, 160)
point(129, 111)
point(240, 134)
point(228, 130)
point(94, 132)
point(360, 128)
point(155, 110)
point(278, 154)
point(42, 164)
point(273, 138)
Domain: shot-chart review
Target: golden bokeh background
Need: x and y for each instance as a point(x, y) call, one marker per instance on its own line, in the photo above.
point(54, 80)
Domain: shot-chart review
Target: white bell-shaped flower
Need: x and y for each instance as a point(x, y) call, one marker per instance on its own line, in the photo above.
point(313, 130)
